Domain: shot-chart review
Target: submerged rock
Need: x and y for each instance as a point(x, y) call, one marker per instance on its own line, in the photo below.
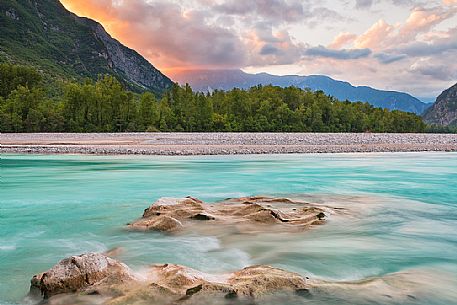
point(174, 214)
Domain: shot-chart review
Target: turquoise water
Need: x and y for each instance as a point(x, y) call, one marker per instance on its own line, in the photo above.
point(402, 217)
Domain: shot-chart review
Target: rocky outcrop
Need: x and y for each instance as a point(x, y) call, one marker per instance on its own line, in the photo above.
point(130, 65)
point(444, 111)
point(97, 275)
point(246, 214)
point(77, 273)
point(250, 282)
point(95, 279)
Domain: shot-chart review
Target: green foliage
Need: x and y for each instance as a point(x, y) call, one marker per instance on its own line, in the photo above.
point(44, 35)
point(106, 106)
point(12, 76)
point(442, 129)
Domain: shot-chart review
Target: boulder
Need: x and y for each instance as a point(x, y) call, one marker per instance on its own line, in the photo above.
point(256, 281)
point(77, 273)
point(161, 223)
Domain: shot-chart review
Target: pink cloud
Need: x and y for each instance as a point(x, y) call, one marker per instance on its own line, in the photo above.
point(382, 35)
point(342, 40)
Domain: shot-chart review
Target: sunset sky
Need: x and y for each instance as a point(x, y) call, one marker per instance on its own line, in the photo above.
point(402, 45)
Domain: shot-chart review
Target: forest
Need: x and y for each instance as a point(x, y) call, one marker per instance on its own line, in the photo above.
point(29, 103)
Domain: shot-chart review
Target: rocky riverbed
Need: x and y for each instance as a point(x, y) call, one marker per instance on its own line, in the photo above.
point(223, 143)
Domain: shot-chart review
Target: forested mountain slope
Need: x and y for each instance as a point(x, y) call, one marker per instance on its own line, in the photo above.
point(45, 35)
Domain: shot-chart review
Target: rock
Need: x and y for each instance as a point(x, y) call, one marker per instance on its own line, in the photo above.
point(259, 280)
point(249, 283)
point(178, 279)
point(79, 272)
point(161, 223)
point(99, 277)
point(247, 213)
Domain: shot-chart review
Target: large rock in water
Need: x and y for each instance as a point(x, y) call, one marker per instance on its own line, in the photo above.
point(247, 213)
point(97, 275)
point(95, 279)
point(77, 273)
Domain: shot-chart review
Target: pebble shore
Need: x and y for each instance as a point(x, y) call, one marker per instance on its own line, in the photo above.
point(222, 143)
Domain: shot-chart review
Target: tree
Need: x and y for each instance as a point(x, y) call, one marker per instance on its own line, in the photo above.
point(148, 112)
point(13, 76)
point(27, 105)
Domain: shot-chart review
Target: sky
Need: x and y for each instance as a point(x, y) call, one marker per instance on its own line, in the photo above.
point(402, 45)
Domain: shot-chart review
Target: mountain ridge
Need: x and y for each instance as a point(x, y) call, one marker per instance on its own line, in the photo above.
point(46, 35)
point(204, 80)
point(444, 110)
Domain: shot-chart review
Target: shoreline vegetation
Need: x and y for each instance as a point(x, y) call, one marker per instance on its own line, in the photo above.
point(222, 143)
point(28, 103)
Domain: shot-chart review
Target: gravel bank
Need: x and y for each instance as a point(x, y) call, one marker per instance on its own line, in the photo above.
point(222, 143)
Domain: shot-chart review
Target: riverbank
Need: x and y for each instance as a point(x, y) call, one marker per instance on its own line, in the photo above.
point(222, 143)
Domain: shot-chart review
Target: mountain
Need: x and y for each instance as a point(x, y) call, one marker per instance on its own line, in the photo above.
point(207, 80)
point(444, 111)
point(42, 33)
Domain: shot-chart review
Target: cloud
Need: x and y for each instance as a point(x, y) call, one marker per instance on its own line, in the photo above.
point(437, 71)
point(273, 10)
point(386, 58)
point(362, 4)
point(418, 49)
point(343, 54)
point(375, 36)
point(421, 20)
point(341, 40)
point(268, 47)
point(437, 46)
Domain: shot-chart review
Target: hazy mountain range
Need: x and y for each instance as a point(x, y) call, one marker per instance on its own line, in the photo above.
point(207, 80)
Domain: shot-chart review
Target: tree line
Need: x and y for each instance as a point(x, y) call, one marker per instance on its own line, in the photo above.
point(30, 104)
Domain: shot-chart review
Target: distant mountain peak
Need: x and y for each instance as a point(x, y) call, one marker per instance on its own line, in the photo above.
point(229, 79)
